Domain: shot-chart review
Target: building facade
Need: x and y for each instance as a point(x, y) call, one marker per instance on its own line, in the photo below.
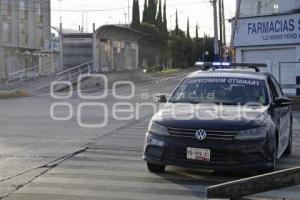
point(268, 31)
point(25, 35)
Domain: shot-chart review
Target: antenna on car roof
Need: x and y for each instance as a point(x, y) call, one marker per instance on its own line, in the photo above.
point(225, 65)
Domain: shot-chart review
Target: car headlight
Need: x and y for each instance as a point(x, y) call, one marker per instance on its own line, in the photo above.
point(158, 129)
point(255, 133)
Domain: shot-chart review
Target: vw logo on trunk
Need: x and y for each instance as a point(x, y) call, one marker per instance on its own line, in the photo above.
point(200, 135)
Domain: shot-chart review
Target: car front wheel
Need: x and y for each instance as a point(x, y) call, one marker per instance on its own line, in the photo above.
point(273, 165)
point(156, 168)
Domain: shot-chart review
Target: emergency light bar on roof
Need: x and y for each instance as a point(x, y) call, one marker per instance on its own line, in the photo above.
point(227, 65)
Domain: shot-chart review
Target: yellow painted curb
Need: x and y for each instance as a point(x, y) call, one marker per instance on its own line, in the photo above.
point(14, 94)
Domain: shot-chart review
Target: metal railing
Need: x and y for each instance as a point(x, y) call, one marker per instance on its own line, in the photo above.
point(74, 72)
point(22, 75)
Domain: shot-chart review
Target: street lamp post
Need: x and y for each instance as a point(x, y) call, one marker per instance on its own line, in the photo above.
point(216, 32)
point(61, 46)
point(60, 10)
point(128, 12)
point(171, 23)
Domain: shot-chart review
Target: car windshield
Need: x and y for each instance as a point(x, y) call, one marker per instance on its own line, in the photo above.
point(220, 90)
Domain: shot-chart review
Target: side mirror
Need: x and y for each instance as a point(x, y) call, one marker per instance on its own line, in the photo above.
point(161, 98)
point(282, 102)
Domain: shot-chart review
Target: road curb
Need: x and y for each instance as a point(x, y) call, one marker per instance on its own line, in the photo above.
point(14, 94)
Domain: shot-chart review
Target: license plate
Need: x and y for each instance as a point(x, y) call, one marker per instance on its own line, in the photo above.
point(198, 154)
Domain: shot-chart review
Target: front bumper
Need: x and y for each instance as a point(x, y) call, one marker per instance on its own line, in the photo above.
point(225, 155)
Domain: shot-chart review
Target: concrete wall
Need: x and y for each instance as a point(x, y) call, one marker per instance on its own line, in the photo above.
point(2, 68)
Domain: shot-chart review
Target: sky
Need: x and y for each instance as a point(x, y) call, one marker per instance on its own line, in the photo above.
point(100, 12)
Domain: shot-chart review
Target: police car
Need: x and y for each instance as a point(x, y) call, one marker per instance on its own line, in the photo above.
point(225, 117)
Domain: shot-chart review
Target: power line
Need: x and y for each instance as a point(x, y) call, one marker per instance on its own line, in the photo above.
point(32, 9)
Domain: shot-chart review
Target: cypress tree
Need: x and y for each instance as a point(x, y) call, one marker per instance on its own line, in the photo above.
point(138, 12)
point(152, 9)
point(197, 34)
point(165, 22)
point(135, 23)
point(188, 28)
point(145, 12)
point(133, 14)
point(159, 23)
point(176, 26)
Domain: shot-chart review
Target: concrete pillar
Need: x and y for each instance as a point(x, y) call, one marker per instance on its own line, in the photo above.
point(61, 46)
point(239, 58)
point(137, 55)
point(47, 25)
point(2, 66)
point(95, 53)
point(31, 25)
point(112, 56)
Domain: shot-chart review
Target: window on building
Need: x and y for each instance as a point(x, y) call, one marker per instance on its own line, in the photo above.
point(39, 12)
point(23, 35)
point(23, 9)
point(246, 8)
point(6, 8)
point(258, 7)
point(272, 6)
point(6, 32)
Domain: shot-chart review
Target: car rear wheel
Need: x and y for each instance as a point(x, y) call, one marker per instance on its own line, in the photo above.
point(289, 148)
point(156, 168)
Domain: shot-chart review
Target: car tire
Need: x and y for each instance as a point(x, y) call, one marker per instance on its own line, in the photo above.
point(156, 168)
point(273, 165)
point(289, 148)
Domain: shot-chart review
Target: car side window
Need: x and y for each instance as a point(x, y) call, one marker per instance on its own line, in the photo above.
point(277, 87)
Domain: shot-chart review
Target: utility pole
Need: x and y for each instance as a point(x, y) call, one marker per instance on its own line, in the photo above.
point(221, 30)
point(95, 58)
point(60, 10)
point(82, 22)
point(128, 12)
point(216, 32)
point(3, 71)
point(237, 15)
point(61, 46)
point(224, 26)
point(171, 23)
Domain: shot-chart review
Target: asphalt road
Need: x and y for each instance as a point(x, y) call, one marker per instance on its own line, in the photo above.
point(46, 159)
